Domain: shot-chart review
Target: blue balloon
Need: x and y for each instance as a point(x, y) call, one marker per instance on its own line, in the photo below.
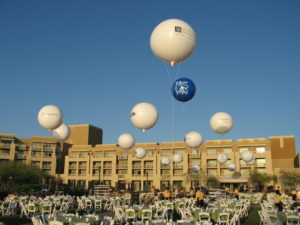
point(183, 89)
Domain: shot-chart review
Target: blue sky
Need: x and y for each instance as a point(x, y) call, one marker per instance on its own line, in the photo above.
point(93, 60)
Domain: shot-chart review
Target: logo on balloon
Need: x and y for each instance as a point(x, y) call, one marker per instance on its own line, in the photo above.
point(177, 29)
point(181, 87)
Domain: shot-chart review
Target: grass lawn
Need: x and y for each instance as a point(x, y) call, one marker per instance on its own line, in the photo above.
point(253, 217)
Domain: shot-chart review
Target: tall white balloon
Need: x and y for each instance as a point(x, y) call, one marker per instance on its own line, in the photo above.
point(221, 122)
point(61, 133)
point(165, 161)
point(139, 153)
point(126, 141)
point(222, 158)
point(231, 167)
point(195, 168)
point(177, 158)
point(144, 116)
point(50, 117)
point(193, 139)
point(247, 156)
point(173, 41)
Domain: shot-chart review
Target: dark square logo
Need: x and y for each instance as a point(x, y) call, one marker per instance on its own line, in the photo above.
point(178, 29)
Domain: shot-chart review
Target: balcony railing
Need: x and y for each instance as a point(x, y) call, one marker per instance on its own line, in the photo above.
point(136, 166)
point(136, 175)
point(72, 166)
point(121, 176)
point(20, 156)
point(21, 147)
point(166, 175)
point(46, 167)
point(5, 146)
point(122, 157)
point(36, 148)
point(122, 166)
point(178, 175)
point(177, 166)
point(260, 165)
point(47, 149)
point(194, 156)
point(165, 166)
point(106, 175)
point(5, 153)
point(107, 166)
point(211, 165)
point(82, 174)
point(47, 156)
point(82, 166)
point(148, 166)
point(72, 174)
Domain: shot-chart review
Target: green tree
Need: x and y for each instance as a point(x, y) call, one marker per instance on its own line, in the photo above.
point(18, 177)
point(259, 179)
point(213, 182)
point(289, 179)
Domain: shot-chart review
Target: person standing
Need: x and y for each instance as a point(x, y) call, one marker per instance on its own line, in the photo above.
point(236, 193)
point(199, 198)
point(278, 201)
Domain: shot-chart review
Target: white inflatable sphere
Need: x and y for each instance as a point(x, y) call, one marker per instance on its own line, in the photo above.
point(144, 116)
point(195, 168)
point(221, 123)
point(247, 156)
point(126, 141)
point(165, 161)
point(61, 133)
point(50, 117)
point(193, 139)
point(173, 41)
point(231, 167)
point(139, 153)
point(251, 162)
point(177, 158)
point(222, 158)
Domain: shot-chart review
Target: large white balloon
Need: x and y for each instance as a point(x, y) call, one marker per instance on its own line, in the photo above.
point(222, 158)
point(231, 166)
point(193, 139)
point(61, 133)
point(144, 116)
point(50, 117)
point(126, 141)
point(173, 41)
point(177, 158)
point(139, 153)
point(247, 156)
point(221, 122)
point(165, 161)
point(251, 162)
point(195, 168)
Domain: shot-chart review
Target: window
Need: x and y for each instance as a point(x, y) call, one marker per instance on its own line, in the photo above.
point(212, 172)
point(260, 162)
point(211, 152)
point(226, 172)
point(243, 149)
point(211, 163)
point(227, 150)
point(165, 152)
point(195, 151)
point(260, 150)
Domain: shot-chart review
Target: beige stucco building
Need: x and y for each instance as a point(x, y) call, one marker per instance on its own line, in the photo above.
point(83, 159)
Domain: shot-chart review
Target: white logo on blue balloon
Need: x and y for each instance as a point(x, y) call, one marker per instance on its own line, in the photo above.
point(181, 87)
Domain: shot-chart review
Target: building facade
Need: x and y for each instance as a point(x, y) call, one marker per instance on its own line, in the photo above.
point(83, 160)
